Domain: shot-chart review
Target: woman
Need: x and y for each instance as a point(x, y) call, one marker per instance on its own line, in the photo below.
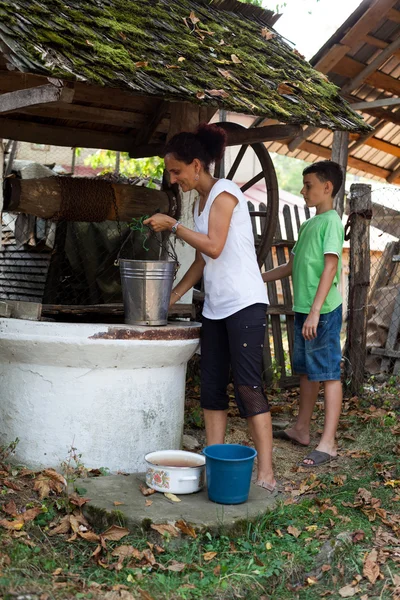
point(234, 313)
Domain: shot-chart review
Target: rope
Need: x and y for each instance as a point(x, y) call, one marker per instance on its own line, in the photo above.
point(137, 225)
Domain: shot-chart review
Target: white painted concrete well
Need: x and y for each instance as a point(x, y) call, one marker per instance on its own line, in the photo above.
point(114, 392)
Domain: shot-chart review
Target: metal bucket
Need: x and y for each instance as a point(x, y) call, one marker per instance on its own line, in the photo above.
point(146, 289)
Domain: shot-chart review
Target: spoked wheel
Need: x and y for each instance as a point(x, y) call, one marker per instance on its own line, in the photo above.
point(268, 213)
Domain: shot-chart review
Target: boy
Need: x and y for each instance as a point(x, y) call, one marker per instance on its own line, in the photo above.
point(315, 264)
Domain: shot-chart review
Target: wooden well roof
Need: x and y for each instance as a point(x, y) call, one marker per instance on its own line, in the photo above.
point(363, 59)
point(81, 73)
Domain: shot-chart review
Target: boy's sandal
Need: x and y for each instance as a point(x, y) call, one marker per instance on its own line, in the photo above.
point(319, 458)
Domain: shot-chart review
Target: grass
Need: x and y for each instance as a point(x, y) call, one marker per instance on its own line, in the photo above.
point(283, 555)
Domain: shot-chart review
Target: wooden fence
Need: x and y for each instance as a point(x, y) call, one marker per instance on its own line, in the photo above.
point(278, 363)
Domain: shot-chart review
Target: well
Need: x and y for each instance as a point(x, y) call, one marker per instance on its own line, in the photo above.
point(114, 392)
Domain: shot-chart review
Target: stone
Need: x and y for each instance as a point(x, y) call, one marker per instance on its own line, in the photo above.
point(189, 442)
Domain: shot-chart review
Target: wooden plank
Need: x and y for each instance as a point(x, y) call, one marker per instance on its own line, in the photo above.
point(88, 114)
point(306, 133)
point(348, 67)
point(394, 175)
point(145, 133)
point(57, 135)
point(394, 326)
point(383, 146)
point(340, 150)
point(356, 163)
point(371, 67)
point(375, 103)
point(117, 309)
point(394, 15)
point(368, 21)
point(360, 140)
point(43, 94)
point(388, 115)
point(333, 55)
point(238, 137)
point(359, 276)
point(286, 288)
point(297, 217)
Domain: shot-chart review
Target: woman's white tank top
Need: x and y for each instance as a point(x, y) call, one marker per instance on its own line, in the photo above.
point(233, 280)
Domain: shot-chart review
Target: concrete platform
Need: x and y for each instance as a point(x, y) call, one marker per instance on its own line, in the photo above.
point(195, 509)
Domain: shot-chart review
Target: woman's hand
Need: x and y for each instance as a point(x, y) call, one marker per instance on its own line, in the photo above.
point(160, 222)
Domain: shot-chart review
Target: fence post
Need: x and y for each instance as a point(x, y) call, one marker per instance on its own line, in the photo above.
point(1, 189)
point(359, 281)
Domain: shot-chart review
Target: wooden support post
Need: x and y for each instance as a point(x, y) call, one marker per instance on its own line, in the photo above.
point(360, 208)
point(340, 150)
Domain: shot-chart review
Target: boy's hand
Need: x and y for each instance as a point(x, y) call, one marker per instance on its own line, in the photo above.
point(309, 330)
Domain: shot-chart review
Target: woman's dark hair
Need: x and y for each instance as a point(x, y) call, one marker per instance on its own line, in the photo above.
point(207, 144)
point(327, 170)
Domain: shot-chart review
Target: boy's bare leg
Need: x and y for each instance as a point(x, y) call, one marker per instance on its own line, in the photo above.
point(308, 397)
point(260, 427)
point(215, 422)
point(333, 407)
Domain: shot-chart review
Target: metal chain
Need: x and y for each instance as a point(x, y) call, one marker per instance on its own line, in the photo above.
point(117, 215)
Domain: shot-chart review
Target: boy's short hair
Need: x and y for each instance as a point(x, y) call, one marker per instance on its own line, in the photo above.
point(327, 170)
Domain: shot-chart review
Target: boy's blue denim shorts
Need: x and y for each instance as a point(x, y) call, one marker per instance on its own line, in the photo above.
point(319, 358)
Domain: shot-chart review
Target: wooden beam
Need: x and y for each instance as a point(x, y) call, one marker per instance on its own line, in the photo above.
point(371, 67)
point(329, 60)
point(236, 138)
point(368, 21)
point(145, 133)
point(375, 103)
point(42, 94)
point(56, 135)
point(384, 146)
point(374, 41)
point(354, 163)
point(394, 15)
point(44, 197)
point(394, 176)
point(340, 150)
point(306, 133)
point(87, 114)
point(377, 125)
point(1, 186)
point(348, 67)
point(387, 115)
point(359, 275)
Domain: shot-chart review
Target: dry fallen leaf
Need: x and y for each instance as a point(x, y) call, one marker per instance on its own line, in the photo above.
point(10, 508)
point(116, 503)
point(200, 95)
point(64, 526)
point(181, 59)
point(123, 551)
point(165, 529)
point(371, 568)
point(209, 555)
point(89, 536)
point(193, 18)
point(283, 88)
point(12, 485)
point(15, 525)
point(347, 591)
point(267, 34)
point(218, 93)
point(235, 59)
point(172, 497)
point(146, 491)
point(148, 502)
point(78, 500)
point(31, 514)
point(175, 566)
point(293, 531)
point(114, 533)
point(142, 63)
point(185, 528)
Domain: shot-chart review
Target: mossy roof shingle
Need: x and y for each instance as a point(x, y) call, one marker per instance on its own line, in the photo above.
point(159, 48)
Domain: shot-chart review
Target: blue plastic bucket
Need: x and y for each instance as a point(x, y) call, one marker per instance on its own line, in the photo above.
point(228, 470)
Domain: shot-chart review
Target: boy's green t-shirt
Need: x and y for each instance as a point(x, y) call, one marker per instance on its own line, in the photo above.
point(320, 235)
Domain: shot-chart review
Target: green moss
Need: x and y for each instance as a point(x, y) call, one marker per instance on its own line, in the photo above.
point(102, 44)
